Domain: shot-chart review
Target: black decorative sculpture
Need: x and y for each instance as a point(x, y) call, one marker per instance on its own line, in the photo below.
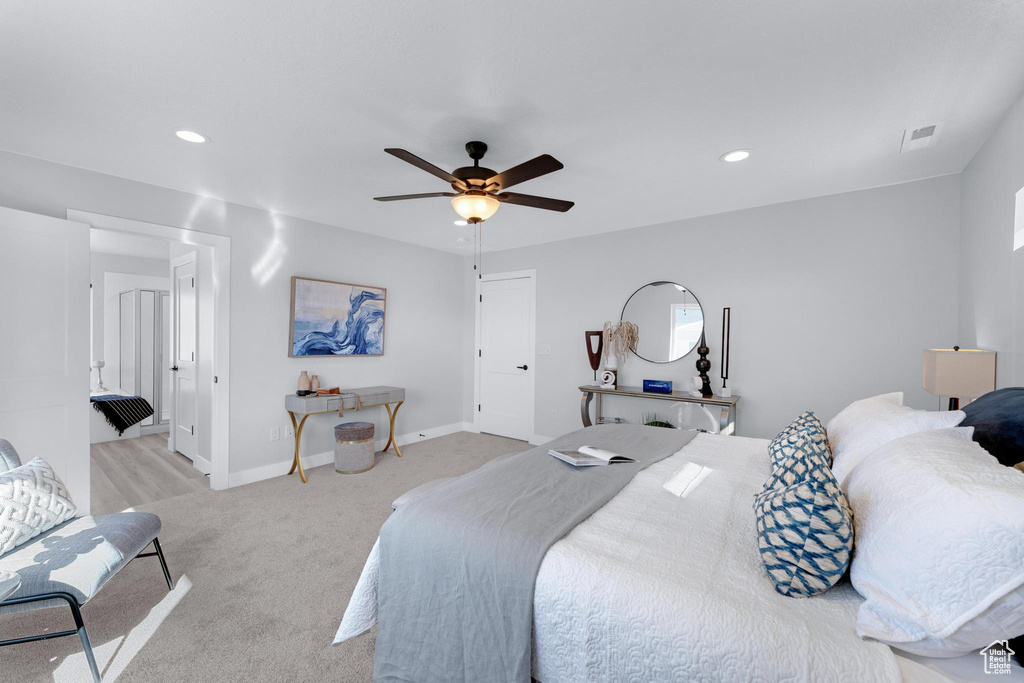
point(703, 365)
point(726, 344)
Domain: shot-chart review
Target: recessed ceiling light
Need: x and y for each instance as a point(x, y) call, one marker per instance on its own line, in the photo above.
point(461, 223)
point(736, 155)
point(191, 136)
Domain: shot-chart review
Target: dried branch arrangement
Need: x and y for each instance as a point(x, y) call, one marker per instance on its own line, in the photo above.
point(620, 338)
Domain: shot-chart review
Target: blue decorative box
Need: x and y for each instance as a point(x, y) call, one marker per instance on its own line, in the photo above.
point(657, 386)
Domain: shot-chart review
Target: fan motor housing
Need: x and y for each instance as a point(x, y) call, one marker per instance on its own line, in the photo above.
point(469, 174)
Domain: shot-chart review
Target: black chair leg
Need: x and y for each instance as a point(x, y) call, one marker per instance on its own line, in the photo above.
point(86, 645)
point(79, 627)
point(163, 564)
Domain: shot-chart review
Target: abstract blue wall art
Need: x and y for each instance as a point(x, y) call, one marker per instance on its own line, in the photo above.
point(336, 319)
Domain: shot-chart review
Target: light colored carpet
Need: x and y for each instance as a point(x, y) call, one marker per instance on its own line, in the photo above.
point(263, 574)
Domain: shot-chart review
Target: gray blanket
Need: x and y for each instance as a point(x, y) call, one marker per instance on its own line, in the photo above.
point(458, 562)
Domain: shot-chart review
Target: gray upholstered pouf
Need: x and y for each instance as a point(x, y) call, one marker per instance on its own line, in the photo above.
point(353, 448)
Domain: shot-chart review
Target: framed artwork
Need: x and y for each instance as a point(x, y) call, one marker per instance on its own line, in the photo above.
point(336, 319)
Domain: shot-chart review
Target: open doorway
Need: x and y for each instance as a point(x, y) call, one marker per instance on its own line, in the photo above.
point(144, 318)
point(191, 379)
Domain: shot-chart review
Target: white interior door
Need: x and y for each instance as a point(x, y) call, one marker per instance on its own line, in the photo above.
point(505, 405)
point(184, 317)
point(44, 344)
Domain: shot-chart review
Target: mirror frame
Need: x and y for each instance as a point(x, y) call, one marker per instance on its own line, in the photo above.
point(703, 324)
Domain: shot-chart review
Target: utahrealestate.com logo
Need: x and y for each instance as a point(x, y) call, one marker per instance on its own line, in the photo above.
point(997, 658)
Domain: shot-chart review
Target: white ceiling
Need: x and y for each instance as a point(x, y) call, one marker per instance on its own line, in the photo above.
point(638, 100)
point(123, 244)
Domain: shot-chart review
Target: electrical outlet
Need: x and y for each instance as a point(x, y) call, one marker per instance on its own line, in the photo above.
point(554, 416)
point(289, 432)
point(275, 433)
point(544, 350)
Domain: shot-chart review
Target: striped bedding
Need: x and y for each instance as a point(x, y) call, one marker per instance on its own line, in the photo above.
point(120, 411)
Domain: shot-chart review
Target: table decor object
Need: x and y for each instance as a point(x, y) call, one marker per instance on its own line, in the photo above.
point(658, 386)
point(703, 365)
point(594, 353)
point(726, 344)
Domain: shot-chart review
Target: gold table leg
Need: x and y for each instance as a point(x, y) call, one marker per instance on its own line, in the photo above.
point(391, 435)
point(298, 436)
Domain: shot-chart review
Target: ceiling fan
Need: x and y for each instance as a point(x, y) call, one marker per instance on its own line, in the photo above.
point(479, 190)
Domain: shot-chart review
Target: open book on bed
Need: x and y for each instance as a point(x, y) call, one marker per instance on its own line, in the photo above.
point(588, 456)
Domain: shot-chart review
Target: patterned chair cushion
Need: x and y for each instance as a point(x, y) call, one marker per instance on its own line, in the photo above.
point(79, 556)
point(32, 500)
point(807, 428)
point(804, 527)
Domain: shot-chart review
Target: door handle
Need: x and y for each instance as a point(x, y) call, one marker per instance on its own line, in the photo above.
point(174, 368)
point(522, 367)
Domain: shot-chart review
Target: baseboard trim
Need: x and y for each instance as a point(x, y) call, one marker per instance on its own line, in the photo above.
point(278, 469)
point(202, 464)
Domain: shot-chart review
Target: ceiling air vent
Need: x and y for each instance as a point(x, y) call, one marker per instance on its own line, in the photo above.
point(920, 138)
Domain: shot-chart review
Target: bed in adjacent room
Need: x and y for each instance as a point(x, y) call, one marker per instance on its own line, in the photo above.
point(653, 586)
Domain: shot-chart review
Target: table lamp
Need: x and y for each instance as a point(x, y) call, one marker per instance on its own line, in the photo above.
point(959, 373)
point(99, 365)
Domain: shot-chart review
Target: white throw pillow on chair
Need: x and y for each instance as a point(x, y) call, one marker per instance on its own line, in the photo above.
point(33, 499)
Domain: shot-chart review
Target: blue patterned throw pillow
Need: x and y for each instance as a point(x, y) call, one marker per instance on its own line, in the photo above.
point(804, 434)
point(804, 527)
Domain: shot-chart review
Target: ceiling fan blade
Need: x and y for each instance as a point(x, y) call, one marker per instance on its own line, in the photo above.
point(425, 165)
point(528, 170)
point(535, 202)
point(397, 197)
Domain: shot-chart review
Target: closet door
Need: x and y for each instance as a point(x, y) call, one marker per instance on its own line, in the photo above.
point(147, 350)
point(128, 342)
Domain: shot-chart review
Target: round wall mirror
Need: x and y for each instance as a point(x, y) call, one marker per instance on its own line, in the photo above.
point(669, 318)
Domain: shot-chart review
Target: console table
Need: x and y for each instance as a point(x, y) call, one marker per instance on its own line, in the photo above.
point(727, 404)
point(348, 399)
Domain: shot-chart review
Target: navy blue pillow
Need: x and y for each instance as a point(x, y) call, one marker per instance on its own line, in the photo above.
point(998, 421)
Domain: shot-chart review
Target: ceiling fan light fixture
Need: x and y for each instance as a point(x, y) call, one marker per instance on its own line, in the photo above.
point(475, 207)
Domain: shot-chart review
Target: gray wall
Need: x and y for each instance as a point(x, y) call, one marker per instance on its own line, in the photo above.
point(425, 298)
point(832, 299)
point(991, 273)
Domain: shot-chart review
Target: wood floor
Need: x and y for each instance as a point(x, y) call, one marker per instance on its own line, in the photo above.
point(137, 471)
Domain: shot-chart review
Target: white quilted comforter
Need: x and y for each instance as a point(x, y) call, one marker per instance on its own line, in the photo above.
point(653, 587)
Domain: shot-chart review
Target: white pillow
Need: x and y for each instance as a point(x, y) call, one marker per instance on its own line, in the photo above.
point(866, 425)
point(939, 544)
point(32, 500)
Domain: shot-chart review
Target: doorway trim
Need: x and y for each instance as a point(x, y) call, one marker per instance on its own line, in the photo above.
point(530, 274)
point(221, 247)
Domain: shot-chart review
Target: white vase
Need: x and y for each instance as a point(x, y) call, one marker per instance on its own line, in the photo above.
point(611, 363)
point(314, 384)
point(304, 381)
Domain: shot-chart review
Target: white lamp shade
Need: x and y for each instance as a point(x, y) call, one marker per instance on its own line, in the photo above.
point(967, 373)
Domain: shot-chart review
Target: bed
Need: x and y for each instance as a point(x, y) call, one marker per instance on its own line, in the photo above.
point(659, 587)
